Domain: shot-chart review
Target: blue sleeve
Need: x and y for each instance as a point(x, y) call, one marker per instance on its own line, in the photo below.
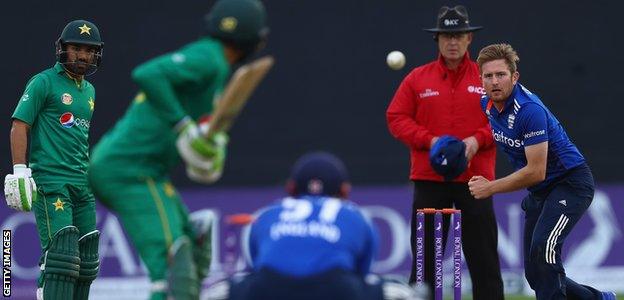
point(371, 246)
point(259, 231)
point(255, 235)
point(253, 243)
point(533, 124)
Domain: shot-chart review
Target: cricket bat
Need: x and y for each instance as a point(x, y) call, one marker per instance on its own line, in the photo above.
point(237, 92)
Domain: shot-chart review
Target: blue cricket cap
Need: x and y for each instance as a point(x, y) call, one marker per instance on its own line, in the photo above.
point(447, 157)
point(319, 173)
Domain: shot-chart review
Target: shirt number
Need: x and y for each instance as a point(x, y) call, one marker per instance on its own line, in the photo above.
point(294, 210)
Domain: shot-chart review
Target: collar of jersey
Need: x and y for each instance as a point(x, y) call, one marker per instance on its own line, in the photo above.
point(461, 66)
point(508, 103)
point(60, 70)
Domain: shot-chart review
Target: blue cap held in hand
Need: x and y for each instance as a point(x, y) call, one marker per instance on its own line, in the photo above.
point(447, 157)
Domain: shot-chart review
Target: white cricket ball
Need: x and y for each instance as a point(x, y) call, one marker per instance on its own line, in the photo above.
point(395, 60)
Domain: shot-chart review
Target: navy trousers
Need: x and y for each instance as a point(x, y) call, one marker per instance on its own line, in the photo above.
point(551, 214)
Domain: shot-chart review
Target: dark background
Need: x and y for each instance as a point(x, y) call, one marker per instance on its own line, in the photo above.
point(330, 86)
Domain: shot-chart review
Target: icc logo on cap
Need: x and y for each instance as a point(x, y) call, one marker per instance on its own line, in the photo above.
point(67, 120)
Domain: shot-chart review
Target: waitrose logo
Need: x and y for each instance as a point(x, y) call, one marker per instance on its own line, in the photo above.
point(500, 137)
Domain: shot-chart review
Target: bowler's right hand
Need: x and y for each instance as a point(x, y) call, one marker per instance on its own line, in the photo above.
point(20, 189)
point(480, 187)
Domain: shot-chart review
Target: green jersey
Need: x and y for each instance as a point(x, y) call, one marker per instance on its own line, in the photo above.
point(58, 110)
point(178, 84)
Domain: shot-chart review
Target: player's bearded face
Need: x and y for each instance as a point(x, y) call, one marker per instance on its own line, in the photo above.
point(80, 58)
point(497, 79)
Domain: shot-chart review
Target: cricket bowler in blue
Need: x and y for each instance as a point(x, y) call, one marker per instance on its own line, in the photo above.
point(547, 164)
point(313, 244)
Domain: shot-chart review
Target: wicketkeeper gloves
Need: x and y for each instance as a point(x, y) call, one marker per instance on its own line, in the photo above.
point(20, 189)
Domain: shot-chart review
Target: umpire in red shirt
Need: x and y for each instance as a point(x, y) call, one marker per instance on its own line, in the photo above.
point(439, 99)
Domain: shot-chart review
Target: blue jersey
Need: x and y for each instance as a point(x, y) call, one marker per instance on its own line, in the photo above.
point(309, 235)
point(526, 121)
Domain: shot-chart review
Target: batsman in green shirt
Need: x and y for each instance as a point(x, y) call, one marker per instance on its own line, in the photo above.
point(130, 164)
point(55, 112)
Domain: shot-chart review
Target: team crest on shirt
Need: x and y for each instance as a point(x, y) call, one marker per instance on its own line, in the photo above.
point(67, 99)
point(510, 121)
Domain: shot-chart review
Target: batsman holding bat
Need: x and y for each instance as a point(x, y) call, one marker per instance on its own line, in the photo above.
point(130, 165)
point(55, 112)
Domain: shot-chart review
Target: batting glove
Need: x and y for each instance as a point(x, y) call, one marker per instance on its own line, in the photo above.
point(20, 189)
point(195, 149)
point(217, 163)
point(204, 157)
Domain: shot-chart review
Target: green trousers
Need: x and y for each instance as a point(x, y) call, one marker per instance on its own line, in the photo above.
point(151, 213)
point(60, 205)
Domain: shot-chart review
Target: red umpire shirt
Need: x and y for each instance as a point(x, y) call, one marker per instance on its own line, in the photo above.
point(433, 101)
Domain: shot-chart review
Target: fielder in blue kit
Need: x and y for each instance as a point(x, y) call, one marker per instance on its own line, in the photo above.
point(547, 163)
point(313, 244)
point(306, 224)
